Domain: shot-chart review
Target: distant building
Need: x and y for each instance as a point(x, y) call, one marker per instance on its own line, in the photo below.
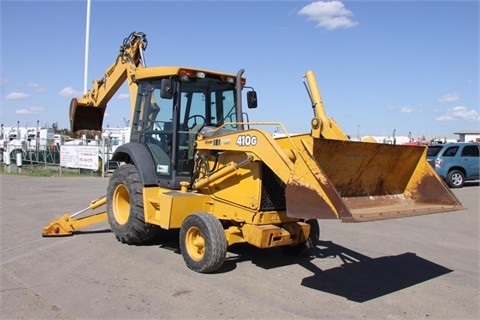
point(468, 135)
point(387, 139)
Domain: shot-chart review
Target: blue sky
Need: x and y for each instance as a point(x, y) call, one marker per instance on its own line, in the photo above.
point(409, 66)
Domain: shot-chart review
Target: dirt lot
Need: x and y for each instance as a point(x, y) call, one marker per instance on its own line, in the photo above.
point(414, 268)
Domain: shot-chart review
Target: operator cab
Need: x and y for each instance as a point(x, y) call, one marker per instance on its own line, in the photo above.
point(170, 112)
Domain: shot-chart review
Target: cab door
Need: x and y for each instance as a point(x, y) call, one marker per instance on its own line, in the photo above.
point(154, 126)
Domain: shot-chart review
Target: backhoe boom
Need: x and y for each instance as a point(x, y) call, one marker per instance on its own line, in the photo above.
point(87, 113)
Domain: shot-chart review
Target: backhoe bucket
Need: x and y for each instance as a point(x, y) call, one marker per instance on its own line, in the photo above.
point(360, 181)
point(84, 117)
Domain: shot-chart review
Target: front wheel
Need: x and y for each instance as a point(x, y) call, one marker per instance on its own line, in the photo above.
point(125, 207)
point(455, 179)
point(202, 242)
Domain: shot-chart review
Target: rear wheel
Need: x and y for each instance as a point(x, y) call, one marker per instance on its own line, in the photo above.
point(455, 179)
point(203, 243)
point(312, 241)
point(125, 207)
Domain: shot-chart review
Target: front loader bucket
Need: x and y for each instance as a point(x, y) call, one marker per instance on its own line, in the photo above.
point(362, 181)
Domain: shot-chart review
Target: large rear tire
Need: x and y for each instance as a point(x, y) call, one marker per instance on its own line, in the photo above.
point(203, 243)
point(313, 240)
point(125, 207)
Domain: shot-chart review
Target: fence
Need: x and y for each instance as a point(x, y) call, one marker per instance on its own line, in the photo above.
point(82, 155)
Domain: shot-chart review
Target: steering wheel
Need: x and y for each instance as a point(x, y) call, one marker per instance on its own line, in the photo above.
point(194, 117)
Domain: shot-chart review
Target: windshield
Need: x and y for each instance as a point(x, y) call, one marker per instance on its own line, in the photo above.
point(207, 102)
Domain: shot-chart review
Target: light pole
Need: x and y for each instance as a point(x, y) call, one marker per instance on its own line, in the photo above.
point(37, 137)
point(87, 35)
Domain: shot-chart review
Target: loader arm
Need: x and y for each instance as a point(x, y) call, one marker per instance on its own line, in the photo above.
point(87, 113)
point(309, 192)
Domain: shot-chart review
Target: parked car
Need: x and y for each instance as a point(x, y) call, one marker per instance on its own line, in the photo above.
point(458, 162)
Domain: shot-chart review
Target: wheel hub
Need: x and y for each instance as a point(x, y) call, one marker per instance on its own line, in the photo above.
point(195, 243)
point(121, 204)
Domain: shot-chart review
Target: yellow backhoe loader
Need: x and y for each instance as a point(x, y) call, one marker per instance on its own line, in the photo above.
point(194, 164)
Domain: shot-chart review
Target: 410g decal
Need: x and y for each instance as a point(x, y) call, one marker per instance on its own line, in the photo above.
point(246, 140)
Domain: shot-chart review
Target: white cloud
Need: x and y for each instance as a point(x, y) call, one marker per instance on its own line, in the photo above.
point(459, 113)
point(123, 96)
point(16, 96)
point(36, 86)
point(69, 92)
point(329, 15)
point(407, 109)
point(28, 111)
point(451, 97)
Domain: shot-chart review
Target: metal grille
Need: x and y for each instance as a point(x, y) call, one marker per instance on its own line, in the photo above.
point(273, 191)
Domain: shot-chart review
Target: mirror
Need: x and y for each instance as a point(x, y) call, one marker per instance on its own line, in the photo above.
point(252, 99)
point(166, 91)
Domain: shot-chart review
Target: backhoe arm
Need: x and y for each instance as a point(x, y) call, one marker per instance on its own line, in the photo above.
point(322, 126)
point(87, 113)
